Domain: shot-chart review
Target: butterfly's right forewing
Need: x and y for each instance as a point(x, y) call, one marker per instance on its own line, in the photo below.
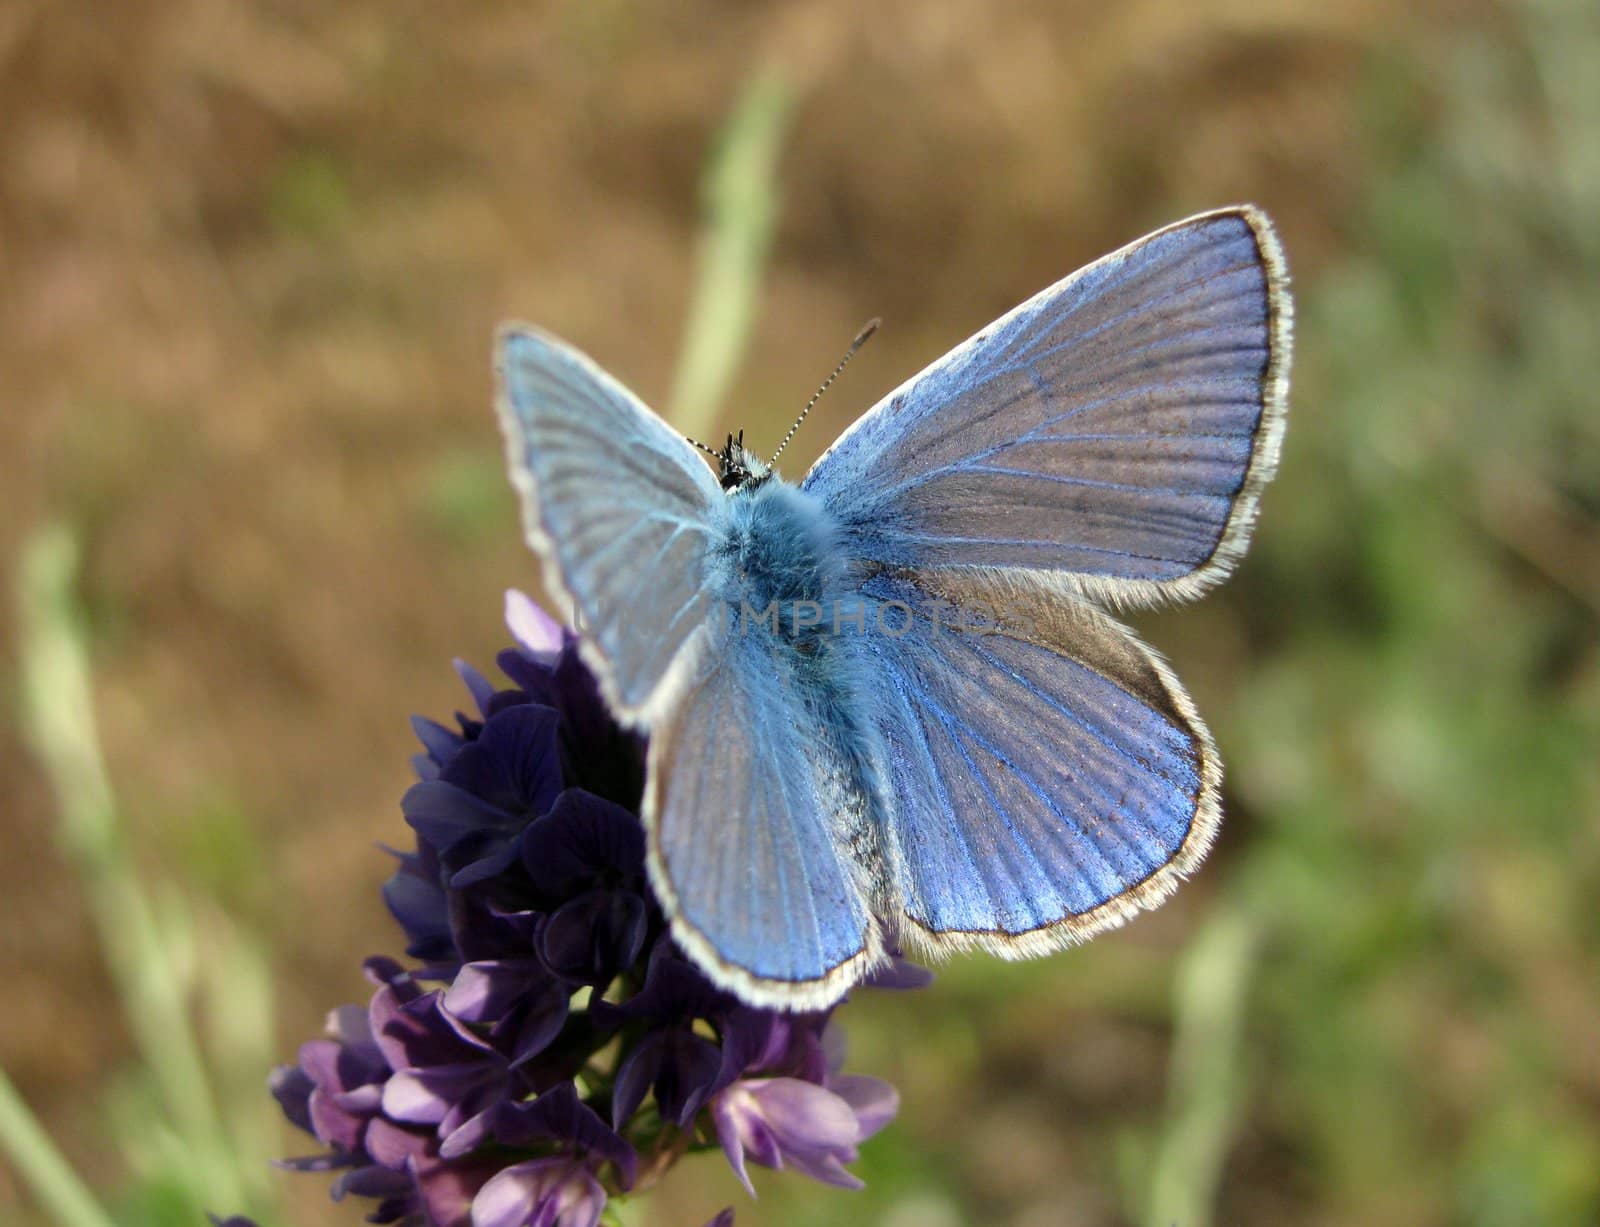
point(1109, 437)
point(621, 509)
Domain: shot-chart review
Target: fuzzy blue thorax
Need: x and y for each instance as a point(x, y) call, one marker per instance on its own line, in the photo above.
point(778, 545)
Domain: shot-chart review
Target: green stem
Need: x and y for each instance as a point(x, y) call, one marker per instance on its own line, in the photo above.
point(63, 1196)
point(741, 211)
point(1206, 1075)
point(58, 716)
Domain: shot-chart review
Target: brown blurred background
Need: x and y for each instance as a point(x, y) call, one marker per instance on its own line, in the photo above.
point(251, 259)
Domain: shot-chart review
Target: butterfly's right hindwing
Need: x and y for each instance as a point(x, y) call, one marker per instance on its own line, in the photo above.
point(1048, 774)
point(621, 509)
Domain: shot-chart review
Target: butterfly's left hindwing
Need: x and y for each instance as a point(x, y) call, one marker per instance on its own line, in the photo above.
point(741, 805)
point(1048, 775)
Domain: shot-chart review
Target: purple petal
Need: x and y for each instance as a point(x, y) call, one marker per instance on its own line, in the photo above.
point(674, 991)
point(445, 814)
point(873, 1101)
point(595, 937)
point(534, 1025)
point(514, 764)
point(387, 973)
point(534, 677)
point(596, 753)
point(806, 1116)
point(470, 1135)
point(425, 1096)
point(447, 1190)
point(582, 841)
point(420, 1033)
point(560, 1114)
point(554, 1192)
point(725, 1115)
point(394, 1146)
point(335, 1126)
point(370, 1181)
point(784, 1122)
point(440, 743)
point(724, 1218)
point(634, 1076)
point(687, 1075)
point(481, 689)
point(419, 905)
point(292, 1088)
point(486, 991)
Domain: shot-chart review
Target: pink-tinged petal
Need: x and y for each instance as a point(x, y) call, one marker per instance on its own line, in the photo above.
point(320, 1060)
point(556, 1192)
point(804, 1114)
point(392, 1146)
point(873, 1101)
point(333, 1125)
point(827, 1168)
point(530, 626)
point(725, 1114)
point(425, 1096)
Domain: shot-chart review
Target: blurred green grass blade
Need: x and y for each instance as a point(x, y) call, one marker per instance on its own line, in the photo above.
point(1205, 1079)
point(741, 212)
point(36, 1159)
point(58, 718)
point(238, 999)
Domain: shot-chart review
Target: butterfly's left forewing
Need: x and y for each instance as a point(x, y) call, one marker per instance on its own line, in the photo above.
point(1048, 775)
point(621, 509)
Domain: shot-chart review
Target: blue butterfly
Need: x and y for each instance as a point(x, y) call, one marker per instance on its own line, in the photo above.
point(887, 707)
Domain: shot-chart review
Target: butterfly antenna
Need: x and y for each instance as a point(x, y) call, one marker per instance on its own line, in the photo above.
point(714, 454)
point(861, 339)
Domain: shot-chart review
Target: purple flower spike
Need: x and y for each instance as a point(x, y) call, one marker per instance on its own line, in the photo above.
point(544, 989)
point(554, 1192)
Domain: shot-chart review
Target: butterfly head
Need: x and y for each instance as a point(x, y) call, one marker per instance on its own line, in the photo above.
point(740, 469)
